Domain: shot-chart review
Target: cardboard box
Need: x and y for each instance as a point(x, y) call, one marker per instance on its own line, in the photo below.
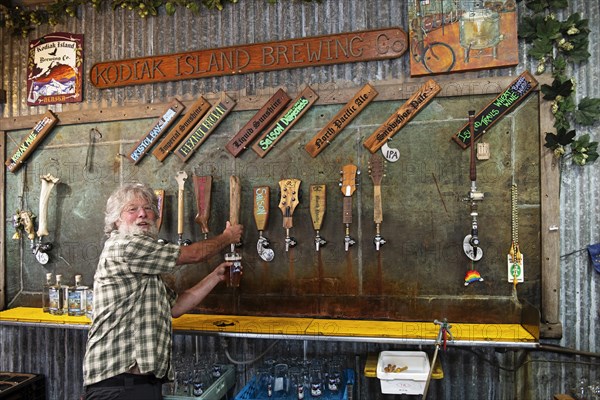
point(403, 372)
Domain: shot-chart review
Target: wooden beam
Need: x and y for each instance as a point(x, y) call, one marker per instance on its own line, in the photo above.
point(2, 218)
point(550, 226)
point(388, 90)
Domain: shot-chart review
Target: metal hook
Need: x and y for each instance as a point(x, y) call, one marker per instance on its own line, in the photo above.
point(93, 135)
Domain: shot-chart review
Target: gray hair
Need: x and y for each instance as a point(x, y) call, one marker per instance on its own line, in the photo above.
point(123, 195)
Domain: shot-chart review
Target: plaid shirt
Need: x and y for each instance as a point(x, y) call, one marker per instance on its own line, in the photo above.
point(132, 309)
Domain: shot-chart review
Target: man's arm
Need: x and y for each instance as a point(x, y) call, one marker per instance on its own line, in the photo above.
point(194, 295)
point(204, 249)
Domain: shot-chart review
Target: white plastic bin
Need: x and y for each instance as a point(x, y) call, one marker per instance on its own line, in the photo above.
point(410, 380)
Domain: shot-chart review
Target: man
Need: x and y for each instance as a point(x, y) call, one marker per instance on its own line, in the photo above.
point(128, 353)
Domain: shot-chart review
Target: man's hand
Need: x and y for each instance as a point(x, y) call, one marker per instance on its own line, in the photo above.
point(233, 232)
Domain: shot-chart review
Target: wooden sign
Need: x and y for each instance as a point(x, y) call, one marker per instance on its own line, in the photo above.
point(258, 122)
point(55, 69)
point(205, 127)
point(341, 48)
point(178, 132)
point(402, 116)
point(506, 101)
point(31, 141)
point(140, 148)
point(290, 116)
point(318, 143)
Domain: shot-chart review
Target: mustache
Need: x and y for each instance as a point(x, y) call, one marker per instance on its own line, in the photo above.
point(134, 229)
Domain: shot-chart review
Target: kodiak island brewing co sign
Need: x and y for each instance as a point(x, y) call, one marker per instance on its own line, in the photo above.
point(302, 52)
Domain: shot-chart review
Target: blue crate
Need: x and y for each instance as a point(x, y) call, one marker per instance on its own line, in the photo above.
point(257, 391)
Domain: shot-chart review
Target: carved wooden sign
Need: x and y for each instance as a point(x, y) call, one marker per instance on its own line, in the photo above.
point(258, 122)
point(289, 117)
point(402, 116)
point(271, 56)
point(350, 111)
point(31, 141)
point(178, 132)
point(205, 127)
point(141, 148)
point(495, 110)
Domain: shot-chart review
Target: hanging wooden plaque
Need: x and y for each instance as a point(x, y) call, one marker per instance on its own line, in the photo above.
point(258, 122)
point(402, 116)
point(506, 101)
point(31, 141)
point(281, 126)
point(313, 51)
point(350, 111)
point(141, 148)
point(178, 132)
point(205, 127)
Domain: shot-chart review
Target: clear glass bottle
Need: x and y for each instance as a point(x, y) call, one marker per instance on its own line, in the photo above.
point(89, 302)
point(77, 298)
point(65, 288)
point(56, 297)
point(45, 292)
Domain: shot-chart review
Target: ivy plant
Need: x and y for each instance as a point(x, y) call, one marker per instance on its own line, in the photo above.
point(22, 20)
point(557, 44)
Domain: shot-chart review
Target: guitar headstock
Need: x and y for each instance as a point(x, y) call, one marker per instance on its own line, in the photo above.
point(290, 191)
point(376, 168)
point(348, 183)
point(180, 178)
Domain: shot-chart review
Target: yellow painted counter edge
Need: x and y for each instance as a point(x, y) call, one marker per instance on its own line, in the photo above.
point(302, 327)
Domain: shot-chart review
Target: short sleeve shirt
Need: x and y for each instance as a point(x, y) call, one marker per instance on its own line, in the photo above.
point(132, 309)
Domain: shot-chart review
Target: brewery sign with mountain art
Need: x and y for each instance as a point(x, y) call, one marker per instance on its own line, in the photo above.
point(54, 69)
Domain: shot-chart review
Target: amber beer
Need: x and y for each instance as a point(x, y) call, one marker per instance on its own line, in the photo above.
point(233, 273)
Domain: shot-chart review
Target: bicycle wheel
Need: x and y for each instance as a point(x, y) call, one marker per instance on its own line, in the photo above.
point(439, 57)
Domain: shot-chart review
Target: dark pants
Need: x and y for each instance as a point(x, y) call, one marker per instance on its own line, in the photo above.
point(126, 387)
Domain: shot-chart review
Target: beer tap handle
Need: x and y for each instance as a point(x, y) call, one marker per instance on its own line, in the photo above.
point(348, 186)
point(376, 172)
point(318, 201)
point(181, 178)
point(261, 218)
point(235, 270)
point(235, 194)
point(202, 189)
point(290, 197)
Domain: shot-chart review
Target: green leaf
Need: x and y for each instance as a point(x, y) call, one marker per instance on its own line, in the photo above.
point(540, 48)
point(558, 4)
point(548, 29)
point(558, 88)
point(551, 141)
point(588, 111)
point(561, 138)
point(527, 27)
point(170, 8)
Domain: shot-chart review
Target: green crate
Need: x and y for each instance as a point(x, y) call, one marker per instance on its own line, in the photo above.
point(217, 390)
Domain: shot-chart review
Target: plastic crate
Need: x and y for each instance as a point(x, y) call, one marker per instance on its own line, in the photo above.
point(410, 379)
point(257, 391)
point(217, 390)
point(19, 386)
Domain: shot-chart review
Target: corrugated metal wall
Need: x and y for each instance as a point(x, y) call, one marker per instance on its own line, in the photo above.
point(469, 373)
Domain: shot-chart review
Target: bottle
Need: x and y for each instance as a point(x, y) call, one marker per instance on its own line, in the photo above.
point(65, 303)
point(77, 298)
point(89, 302)
point(45, 292)
point(56, 297)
